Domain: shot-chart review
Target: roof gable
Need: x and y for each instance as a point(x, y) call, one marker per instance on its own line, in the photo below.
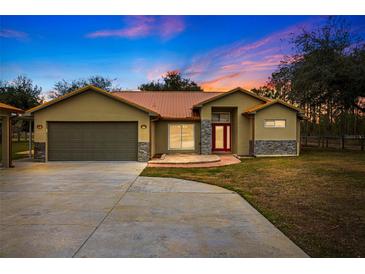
point(224, 94)
point(254, 109)
point(168, 104)
point(94, 89)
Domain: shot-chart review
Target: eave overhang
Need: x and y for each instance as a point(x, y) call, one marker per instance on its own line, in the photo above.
point(95, 89)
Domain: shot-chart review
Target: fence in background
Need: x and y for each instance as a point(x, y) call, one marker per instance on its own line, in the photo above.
point(338, 142)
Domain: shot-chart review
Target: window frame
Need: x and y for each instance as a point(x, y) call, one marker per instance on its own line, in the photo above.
point(168, 136)
point(266, 120)
point(221, 112)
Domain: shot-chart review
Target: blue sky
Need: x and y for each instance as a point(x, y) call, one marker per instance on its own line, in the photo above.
point(218, 52)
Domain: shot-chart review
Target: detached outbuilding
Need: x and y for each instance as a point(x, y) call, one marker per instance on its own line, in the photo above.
point(6, 113)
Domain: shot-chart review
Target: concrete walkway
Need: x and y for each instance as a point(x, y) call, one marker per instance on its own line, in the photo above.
point(197, 161)
point(104, 210)
point(185, 159)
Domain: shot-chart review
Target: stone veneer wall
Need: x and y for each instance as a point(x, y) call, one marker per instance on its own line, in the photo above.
point(40, 151)
point(206, 137)
point(143, 151)
point(271, 147)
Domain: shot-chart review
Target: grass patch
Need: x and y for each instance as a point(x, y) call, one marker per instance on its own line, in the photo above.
point(317, 199)
point(17, 147)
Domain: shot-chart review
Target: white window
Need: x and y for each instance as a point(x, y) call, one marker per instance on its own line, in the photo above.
point(181, 137)
point(275, 123)
point(221, 117)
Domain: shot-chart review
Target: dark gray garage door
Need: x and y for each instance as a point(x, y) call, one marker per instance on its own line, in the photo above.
point(92, 141)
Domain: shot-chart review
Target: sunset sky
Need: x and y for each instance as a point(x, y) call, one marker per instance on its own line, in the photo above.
point(218, 52)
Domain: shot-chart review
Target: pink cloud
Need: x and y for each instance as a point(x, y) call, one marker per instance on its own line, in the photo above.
point(212, 84)
point(9, 33)
point(229, 67)
point(171, 25)
point(243, 64)
point(238, 64)
point(164, 27)
point(159, 71)
point(216, 80)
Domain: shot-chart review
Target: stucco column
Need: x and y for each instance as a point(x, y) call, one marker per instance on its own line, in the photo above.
point(6, 141)
point(206, 137)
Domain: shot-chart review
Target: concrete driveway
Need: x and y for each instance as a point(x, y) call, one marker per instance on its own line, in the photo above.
point(103, 209)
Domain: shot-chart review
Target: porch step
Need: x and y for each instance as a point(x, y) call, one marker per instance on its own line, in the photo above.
point(186, 159)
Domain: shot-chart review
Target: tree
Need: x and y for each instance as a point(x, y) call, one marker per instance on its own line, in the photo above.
point(63, 87)
point(355, 86)
point(21, 93)
point(172, 81)
point(326, 77)
point(267, 92)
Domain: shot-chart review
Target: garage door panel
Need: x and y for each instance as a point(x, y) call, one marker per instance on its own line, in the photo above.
point(92, 141)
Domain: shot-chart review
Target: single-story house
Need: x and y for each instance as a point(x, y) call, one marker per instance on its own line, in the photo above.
point(93, 124)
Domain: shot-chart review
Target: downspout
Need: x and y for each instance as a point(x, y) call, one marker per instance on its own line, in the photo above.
point(150, 139)
point(152, 120)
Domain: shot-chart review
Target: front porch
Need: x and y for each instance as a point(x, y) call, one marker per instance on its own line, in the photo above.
point(193, 160)
point(220, 129)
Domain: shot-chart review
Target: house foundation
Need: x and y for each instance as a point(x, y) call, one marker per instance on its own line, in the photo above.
point(275, 147)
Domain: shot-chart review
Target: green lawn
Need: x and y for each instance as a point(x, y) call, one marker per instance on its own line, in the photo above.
point(17, 147)
point(317, 199)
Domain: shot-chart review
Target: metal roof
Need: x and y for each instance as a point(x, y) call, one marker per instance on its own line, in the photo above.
point(169, 104)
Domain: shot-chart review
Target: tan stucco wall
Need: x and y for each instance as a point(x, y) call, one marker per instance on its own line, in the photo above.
point(90, 106)
point(298, 137)
point(153, 138)
point(161, 137)
point(240, 123)
point(276, 112)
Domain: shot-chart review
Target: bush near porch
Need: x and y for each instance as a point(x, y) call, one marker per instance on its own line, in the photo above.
point(317, 199)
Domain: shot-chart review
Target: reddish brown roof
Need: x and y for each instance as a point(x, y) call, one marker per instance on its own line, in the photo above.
point(10, 108)
point(165, 104)
point(169, 104)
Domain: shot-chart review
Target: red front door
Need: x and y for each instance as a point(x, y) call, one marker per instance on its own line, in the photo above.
point(221, 137)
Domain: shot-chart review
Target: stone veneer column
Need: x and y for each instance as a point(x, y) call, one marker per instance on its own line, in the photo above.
point(206, 137)
point(40, 151)
point(143, 151)
point(275, 147)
